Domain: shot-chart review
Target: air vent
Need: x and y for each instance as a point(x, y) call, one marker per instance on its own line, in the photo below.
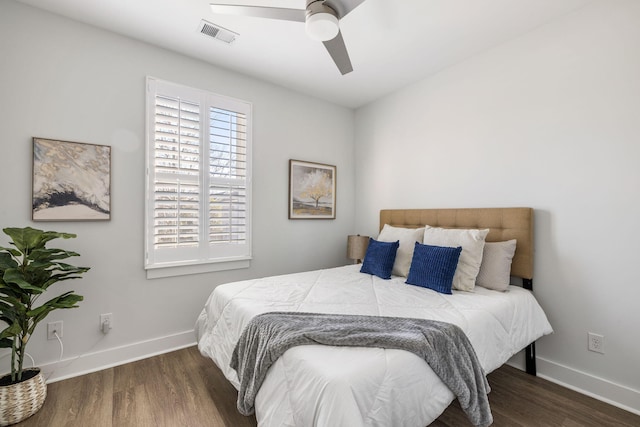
point(217, 32)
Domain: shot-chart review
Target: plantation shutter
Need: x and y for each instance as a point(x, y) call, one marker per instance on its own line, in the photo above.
point(228, 171)
point(176, 187)
point(198, 166)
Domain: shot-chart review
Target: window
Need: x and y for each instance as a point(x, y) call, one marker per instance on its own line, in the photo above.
point(198, 195)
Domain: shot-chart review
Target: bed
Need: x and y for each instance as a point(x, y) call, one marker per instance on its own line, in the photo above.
point(318, 385)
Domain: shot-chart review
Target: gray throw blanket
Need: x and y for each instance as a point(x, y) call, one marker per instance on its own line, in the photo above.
point(443, 346)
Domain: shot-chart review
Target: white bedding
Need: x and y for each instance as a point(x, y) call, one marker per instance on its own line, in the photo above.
point(353, 386)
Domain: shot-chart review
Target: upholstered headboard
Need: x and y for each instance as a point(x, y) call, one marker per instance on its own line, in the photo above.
point(503, 223)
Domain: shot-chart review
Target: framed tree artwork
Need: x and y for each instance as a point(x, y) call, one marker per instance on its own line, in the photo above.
point(312, 190)
point(71, 181)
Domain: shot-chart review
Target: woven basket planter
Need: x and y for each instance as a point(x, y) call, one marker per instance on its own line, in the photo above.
point(20, 401)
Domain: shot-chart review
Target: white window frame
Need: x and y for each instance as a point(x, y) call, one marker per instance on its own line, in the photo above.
point(205, 256)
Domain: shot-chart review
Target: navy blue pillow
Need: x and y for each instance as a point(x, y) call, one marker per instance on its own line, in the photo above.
point(379, 258)
point(433, 267)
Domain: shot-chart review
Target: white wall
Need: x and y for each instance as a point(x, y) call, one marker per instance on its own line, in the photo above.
point(64, 80)
point(550, 120)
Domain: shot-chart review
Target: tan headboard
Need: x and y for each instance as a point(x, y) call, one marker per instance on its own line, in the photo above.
point(503, 223)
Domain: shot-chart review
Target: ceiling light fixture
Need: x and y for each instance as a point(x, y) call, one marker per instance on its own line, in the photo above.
point(322, 22)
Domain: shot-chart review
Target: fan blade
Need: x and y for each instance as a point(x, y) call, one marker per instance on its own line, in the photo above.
point(343, 7)
point(338, 52)
point(297, 15)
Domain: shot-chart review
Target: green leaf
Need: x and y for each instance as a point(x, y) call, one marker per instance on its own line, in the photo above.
point(17, 310)
point(6, 343)
point(11, 331)
point(6, 260)
point(50, 254)
point(71, 268)
point(8, 293)
point(14, 276)
point(12, 251)
point(64, 301)
point(59, 278)
point(7, 315)
point(26, 239)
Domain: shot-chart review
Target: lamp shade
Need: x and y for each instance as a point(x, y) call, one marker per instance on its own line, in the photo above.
point(357, 247)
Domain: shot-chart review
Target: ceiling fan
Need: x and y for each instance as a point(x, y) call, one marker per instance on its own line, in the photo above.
point(321, 19)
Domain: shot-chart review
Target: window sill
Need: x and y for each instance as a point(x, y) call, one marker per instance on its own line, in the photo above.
point(158, 272)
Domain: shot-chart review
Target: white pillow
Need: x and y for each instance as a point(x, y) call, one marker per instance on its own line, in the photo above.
point(407, 238)
point(472, 242)
point(495, 269)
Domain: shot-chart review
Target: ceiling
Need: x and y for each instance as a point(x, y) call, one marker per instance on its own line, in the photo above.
point(391, 43)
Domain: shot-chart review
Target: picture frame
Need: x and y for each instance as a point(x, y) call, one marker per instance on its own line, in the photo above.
point(312, 190)
point(71, 181)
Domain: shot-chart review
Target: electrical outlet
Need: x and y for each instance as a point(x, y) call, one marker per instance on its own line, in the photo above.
point(54, 328)
point(596, 342)
point(106, 322)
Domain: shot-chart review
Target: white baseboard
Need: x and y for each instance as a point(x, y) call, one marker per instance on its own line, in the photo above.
point(99, 360)
point(614, 394)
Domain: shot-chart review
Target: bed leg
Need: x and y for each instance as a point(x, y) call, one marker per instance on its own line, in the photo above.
point(530, 350)
point(530, 356)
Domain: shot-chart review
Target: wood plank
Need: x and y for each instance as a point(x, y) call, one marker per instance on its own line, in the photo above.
point(519, 399)
point(75, 400)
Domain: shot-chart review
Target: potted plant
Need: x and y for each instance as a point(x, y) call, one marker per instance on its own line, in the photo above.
point(27, 270)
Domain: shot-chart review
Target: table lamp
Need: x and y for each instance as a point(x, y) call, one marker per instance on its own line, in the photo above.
point(357, 247)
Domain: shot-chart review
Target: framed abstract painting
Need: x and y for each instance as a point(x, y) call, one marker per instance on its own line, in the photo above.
point(312, 190)
point(71, 181)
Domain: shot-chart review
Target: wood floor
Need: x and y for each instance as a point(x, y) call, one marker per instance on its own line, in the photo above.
point(183, 388)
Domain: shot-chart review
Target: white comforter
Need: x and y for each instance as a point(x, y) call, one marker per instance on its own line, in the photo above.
point(353, 386)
